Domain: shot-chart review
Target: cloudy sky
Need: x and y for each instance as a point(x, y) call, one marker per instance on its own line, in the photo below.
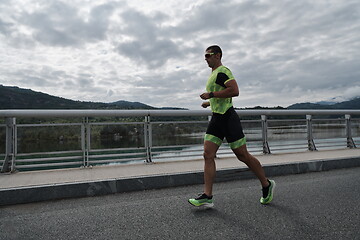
point(280, 52)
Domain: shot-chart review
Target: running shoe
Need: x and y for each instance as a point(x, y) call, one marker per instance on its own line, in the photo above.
point(202, 200)
point(268, 192)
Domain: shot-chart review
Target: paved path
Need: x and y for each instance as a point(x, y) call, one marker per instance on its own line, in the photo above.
point(321, 205)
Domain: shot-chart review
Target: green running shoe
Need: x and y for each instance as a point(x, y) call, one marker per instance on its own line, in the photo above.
point(268, 193)
point(202, 200)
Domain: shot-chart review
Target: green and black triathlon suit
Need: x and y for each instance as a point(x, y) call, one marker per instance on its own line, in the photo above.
point(224, 122)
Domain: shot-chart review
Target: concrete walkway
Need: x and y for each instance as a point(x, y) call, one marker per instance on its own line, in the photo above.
point(300, 210)
point(35, 186)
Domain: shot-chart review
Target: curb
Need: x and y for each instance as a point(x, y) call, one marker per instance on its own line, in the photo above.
point(121, 185)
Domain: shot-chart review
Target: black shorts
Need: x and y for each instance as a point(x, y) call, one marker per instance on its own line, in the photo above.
point(226, 125)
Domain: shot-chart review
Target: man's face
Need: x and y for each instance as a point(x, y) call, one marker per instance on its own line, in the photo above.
point(210, 58)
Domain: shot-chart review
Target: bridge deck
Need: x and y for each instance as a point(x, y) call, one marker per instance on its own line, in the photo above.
point(54, 184)
point(38, 178)
point(321, 205)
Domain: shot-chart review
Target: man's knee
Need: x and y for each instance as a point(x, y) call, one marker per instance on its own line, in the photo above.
point(242, 154)
point(209, 156)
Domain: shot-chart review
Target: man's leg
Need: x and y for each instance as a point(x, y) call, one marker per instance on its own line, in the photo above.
point(243, 155)
point(210, 150)
point(268, 185)
point(205, 199)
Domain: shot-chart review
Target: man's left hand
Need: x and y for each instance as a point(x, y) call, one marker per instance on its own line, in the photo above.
point(205, 96)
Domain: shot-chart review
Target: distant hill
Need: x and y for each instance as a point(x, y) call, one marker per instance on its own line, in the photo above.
point(326, 103)
point(130, 105)
point(351, 104)
point(19, 98)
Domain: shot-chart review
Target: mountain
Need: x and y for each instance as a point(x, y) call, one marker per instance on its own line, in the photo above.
point(131, 105)
point(351, 104)
point(326, 103)
point(19, 98)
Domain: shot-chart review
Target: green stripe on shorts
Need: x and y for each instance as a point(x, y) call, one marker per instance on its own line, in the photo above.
point(238, 143)
point(214, 139)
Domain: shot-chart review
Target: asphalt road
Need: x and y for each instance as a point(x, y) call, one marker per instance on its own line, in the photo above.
point(323, 205)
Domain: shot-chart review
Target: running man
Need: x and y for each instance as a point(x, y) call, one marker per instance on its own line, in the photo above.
point(221, 87)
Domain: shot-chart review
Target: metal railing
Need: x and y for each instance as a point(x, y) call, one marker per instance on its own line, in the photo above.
point(148, 130)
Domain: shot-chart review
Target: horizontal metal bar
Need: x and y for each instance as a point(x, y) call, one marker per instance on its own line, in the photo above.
point(48, 153)
point(116, 149)
point(48, 124)
point(181, 122)
point(176, 146)
point(183, 156)
point(289, 127)
point(251, 121)
point(291, 144)
point(116, 155)
point(100, 113)
point(117, 160)
point(164, 113)
point(50, 165)
point(53, 159)
point(116, 123)
point(183, 151)
point(331, 147)
point(328, 140)
point(285, 149)
point(330, 143)
point(172, 153)
point(285, 120)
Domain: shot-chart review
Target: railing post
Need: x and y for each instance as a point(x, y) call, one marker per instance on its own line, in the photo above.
point(310, 138)
point(264, 128)
point(349, 140)
point(85, 141)
point(11, 143)
point(148, 138)
point(88, 141)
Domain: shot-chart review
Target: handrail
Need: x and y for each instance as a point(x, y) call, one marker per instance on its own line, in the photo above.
point(162, 113)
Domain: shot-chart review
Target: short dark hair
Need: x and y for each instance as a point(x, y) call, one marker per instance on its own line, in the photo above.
point(215, 49)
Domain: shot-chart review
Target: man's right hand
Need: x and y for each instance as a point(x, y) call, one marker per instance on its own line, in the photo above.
point(205, 104)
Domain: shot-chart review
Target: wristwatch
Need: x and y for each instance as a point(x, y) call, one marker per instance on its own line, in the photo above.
point(211, 94)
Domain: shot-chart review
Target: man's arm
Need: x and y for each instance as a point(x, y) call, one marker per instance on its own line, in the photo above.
point(231, 90)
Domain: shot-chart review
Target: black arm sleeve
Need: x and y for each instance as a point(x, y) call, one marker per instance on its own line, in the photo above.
point(221, 79)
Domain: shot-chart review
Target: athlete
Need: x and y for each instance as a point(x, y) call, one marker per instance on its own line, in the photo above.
point(225, 123)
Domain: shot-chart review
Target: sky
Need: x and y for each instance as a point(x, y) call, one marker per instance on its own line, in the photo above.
point(280, 52)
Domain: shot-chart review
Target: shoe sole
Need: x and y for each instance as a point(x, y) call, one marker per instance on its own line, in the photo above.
point(204, 205)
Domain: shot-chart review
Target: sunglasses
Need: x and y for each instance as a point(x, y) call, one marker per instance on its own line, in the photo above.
point(209, 55)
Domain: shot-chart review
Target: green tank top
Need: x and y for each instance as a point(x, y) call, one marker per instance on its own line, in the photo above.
point(216, 82)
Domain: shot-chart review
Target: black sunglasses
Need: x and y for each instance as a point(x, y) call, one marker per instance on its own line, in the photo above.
point(207, 55)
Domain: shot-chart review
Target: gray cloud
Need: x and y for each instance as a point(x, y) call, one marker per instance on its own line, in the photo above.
point(149, 44)
point(5, 27)
point(113, 51)
point(59, 24)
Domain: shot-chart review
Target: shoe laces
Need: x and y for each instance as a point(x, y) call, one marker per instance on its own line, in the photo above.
point(203, 196)
point(265, 190)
